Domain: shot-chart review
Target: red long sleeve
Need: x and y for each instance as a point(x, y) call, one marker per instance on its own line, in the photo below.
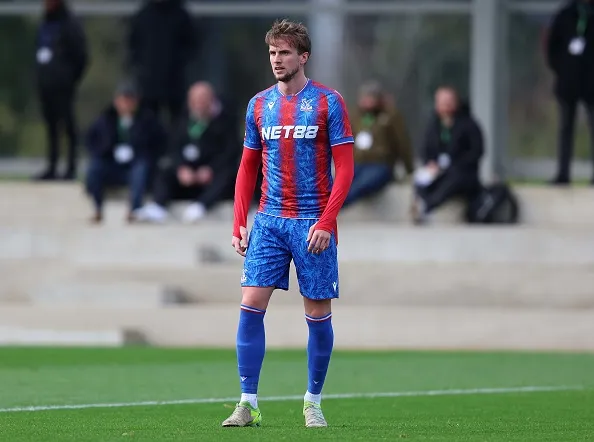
point(344, 165)
point(244, 187)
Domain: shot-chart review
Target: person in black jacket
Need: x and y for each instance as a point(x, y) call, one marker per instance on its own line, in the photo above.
point(161, 44)
point(205, 151)
point(123, 144)
point(61, 59)
point(570, 54)
point(451, 155)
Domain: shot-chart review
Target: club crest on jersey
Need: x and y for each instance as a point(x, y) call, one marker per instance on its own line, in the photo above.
point(276, 132)
point(306, 105)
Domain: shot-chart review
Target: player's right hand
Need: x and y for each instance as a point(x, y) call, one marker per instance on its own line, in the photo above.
point(240, 244)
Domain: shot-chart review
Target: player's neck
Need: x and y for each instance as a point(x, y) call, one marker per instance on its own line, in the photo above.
point(294, 86)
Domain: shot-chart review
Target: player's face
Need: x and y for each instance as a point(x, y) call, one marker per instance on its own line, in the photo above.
point(285, 61)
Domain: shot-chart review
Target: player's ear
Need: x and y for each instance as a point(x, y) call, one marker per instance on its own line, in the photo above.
point(304, 58)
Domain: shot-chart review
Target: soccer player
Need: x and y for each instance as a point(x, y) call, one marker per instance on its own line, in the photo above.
point(294, 128)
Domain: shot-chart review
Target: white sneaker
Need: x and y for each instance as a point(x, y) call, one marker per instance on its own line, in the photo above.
point(314, 418)
point(152, 213)
point(194, 213)
point(244, 415)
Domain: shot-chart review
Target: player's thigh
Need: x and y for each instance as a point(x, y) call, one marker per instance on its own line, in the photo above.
point(267, 258)
point(317, 274)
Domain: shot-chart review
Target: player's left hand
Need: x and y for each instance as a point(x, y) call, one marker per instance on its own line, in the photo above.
point(318, 240)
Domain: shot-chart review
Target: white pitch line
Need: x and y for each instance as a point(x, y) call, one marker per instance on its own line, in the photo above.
point(460, 392)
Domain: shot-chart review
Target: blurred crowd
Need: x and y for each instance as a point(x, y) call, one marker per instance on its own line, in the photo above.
point(165, 140)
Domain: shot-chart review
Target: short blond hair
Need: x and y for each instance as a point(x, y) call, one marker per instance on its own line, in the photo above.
point(295, 34)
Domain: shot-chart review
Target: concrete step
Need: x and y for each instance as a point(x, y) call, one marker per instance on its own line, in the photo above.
point(18, 335)
point(539, 205)
point(356, 327)
point(361, 283)
point(111, 293)
point(186, 246)
point(48, 204)
point(381, 284)
point(23, 203)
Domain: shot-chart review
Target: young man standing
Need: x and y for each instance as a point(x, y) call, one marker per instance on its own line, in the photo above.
point(294, 128)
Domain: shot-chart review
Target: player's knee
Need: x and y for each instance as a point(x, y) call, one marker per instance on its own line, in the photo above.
point(257, 297)
point(317, 308)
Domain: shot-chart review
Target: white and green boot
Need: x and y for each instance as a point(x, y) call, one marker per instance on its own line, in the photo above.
point(313, 415)
point(244, 415)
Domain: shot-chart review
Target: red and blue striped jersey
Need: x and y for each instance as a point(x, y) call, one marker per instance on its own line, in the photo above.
point(296, 134)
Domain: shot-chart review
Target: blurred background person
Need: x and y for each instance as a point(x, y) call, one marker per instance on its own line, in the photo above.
point(381, 141)
point(205, 152)
point(451, 155)
point(570, 54)
point(161, 45)
point(123, 145)
point(61, 59)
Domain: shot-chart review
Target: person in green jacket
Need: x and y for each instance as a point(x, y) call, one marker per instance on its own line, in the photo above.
point(381, 141)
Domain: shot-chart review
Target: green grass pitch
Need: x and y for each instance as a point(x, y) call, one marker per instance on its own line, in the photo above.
point(429, 396)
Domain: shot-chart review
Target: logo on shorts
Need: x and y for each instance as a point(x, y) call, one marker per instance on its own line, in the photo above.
point(243, 276)
point(243, 378)
point(334, 285)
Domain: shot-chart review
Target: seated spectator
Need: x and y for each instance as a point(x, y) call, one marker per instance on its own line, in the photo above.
point(451, 156)
point(123, 143)
point(381, 140)
point(205, 152)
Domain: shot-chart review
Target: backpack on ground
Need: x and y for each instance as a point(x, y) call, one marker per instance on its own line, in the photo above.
point(495, 204)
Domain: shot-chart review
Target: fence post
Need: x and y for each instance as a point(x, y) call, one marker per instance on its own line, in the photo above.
point(326, 25)
point(488, 78)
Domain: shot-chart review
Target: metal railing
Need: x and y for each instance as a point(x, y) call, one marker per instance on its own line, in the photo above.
point(259, 8)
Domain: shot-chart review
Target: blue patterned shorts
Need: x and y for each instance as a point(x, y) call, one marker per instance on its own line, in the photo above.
point(274, 242)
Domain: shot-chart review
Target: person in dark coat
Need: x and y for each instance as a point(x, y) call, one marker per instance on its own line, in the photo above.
point(451, 155)
point(161, 44)
point(570, 55)
point(61, 59)
point(205, 152)
point(123, 145)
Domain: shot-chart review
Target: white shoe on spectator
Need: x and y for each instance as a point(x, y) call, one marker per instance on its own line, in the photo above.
point(152, 213)
point(194, 213)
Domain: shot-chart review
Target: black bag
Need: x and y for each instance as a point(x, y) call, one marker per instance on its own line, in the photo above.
point(494, 204)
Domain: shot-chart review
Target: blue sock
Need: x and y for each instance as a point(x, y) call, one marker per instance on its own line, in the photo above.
point(251, 346)
point(319, 350)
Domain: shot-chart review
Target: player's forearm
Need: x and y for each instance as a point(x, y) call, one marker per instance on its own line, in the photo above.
point(244, 187)
point(345, 169)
